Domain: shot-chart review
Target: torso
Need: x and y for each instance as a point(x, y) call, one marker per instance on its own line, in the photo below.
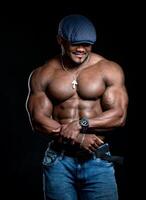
point(85, 99)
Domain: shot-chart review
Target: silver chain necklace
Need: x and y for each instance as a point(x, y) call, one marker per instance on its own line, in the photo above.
point(74, 82)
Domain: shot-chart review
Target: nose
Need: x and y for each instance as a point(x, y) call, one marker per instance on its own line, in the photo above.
point(80, 48)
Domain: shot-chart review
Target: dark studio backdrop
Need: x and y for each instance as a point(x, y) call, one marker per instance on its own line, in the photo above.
point(27, 40)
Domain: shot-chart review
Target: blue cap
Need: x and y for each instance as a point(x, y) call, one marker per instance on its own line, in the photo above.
point(77, 29)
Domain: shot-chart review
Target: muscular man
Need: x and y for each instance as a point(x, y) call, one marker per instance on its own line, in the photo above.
point(75, 99)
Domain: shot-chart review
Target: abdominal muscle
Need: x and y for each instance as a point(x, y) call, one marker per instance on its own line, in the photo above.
point(75, 108)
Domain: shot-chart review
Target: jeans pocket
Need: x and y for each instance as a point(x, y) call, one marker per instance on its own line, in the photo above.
point(50, 157)
point(104, 162)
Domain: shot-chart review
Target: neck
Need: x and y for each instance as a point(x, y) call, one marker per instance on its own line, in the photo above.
point(74, 82)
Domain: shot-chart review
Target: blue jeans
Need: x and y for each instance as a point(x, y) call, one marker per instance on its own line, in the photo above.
point(69, 178)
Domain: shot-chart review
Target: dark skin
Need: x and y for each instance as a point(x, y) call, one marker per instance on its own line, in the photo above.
point(55, 107)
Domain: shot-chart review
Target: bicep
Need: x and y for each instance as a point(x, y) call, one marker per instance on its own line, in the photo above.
point(39, 104)
point(115, 97)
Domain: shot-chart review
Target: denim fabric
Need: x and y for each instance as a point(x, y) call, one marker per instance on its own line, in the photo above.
point(67, 178)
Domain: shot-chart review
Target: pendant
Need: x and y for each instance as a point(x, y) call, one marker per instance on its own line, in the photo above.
point(74, 83)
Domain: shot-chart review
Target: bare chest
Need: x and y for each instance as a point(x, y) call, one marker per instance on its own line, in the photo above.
point(88, 85)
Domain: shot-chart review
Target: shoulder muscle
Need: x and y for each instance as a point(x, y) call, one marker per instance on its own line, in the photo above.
point(112, 73)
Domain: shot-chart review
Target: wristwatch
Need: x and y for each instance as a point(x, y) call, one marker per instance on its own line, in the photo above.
point(84, 123)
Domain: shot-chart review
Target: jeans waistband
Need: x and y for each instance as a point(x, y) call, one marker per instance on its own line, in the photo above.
point(79, 153)
point(102, 152)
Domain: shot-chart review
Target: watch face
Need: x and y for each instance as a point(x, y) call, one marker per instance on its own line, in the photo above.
point(84, 122)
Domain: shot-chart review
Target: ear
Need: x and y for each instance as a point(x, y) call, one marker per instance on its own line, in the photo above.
point(59, 39)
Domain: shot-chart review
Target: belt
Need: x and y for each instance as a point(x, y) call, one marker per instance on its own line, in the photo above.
point(101, 152)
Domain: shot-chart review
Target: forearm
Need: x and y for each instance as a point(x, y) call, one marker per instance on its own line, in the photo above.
point(106, 121)
point(46, 125)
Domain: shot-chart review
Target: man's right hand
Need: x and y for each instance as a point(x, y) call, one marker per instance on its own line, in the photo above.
point(89, 142)
point(70, 131)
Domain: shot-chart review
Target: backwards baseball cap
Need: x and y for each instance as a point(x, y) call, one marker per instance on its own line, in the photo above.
point(77, 29)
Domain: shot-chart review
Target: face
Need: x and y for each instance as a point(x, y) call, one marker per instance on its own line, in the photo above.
point(76, 52)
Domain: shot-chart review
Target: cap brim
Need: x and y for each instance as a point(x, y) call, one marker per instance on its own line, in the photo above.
point(83, 42)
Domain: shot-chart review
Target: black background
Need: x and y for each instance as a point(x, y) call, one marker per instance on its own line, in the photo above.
point(27, 40)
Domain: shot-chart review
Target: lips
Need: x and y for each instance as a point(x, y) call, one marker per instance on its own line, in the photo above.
point(79, 55)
